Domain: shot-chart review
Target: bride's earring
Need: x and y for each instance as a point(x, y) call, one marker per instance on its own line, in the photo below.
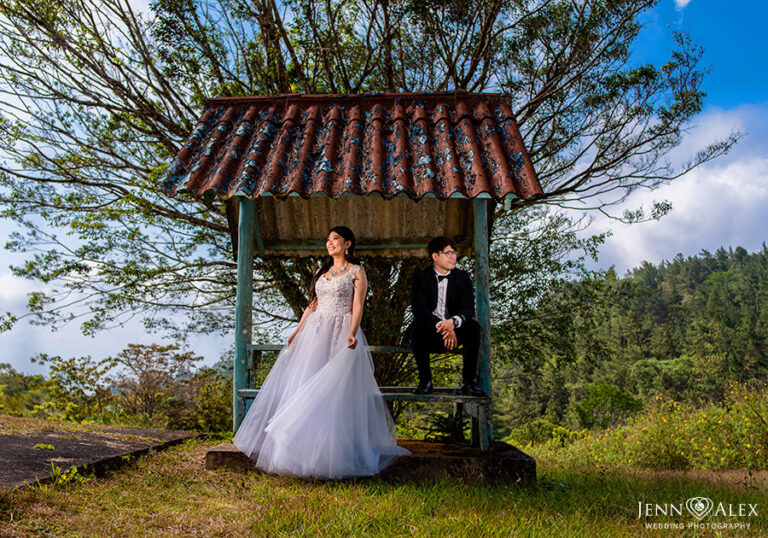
point(346, 252)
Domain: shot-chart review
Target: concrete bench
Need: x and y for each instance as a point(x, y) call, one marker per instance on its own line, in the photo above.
point(478, 408)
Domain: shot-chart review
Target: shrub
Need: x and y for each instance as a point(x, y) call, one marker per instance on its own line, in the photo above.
point(20, 393)
point(606, 406)
point(213, 410)
point(730, 434)
point(652, 377)
point(77, 388)
point(535, 432)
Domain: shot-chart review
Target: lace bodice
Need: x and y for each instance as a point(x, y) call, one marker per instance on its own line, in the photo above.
point(334, 296)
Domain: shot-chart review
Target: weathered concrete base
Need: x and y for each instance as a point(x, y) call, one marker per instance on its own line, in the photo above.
point(89, 451)
point(227, 455)
point(430, 462)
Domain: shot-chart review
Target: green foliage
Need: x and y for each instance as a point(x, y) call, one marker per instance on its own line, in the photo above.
point(64, 478)
point(533, 433)
point(78, 389)
point(144, 385)
point(673, 377)
point(43, 446)
point(148, 376)
point(202, 402)
point(729, 434)
point(564, 435)
point(606, 406)
point(683, 330)
point(20, 393)
point(448, 427)
point(87, 143)
point(213, 408)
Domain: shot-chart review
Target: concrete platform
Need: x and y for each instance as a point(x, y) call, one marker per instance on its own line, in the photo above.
point(430, 462)
point(89, 451)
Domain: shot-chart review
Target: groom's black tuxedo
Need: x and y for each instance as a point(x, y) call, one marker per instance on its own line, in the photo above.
point(459, 301)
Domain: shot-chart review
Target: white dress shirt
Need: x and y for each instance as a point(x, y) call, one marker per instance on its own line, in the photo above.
point(442, 291)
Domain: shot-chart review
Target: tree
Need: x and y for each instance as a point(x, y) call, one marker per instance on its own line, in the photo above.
point(685, 330)
point(98, 98)
point(78, 386)
point(20, 394)
point(148, 377)
point(551, 309)
point(606, 406)
point(143, 385)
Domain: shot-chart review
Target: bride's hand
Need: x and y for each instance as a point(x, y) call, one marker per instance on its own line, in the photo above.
point(351, 341)
point(290, 339)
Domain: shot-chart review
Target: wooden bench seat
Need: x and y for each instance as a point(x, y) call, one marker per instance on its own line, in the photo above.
point(478, 408)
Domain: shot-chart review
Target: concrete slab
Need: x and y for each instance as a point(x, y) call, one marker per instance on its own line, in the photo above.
point(227, 455)
point(430, 462)
point(25, 464)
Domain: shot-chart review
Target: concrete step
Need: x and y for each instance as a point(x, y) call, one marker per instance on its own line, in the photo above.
point(430, 462)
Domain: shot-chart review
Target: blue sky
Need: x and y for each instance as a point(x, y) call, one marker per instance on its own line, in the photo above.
point(722, 203)
point(733, 37)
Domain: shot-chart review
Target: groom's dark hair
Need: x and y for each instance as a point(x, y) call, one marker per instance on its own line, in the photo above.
point(438, 243)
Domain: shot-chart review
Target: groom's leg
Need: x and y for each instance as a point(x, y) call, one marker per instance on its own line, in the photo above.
point(468, 336)
point(425, 337)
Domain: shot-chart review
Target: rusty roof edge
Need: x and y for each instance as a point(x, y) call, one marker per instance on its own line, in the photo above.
point(213, 193)
point(356, 97)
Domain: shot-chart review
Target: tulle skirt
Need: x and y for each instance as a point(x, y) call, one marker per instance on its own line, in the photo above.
point(319, 412)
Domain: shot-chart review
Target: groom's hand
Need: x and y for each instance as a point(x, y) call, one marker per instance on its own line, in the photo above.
point(446, 329)
point(449, 340)
point(446, 326)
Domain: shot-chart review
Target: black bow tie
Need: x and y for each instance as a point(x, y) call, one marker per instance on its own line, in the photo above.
point(440, 278)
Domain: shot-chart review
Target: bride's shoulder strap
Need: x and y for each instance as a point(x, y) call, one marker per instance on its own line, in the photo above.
point(356, 270)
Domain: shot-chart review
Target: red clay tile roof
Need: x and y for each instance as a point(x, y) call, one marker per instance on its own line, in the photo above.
point(450, 144)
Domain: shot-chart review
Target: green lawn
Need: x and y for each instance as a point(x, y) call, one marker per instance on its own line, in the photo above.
point(170, 493)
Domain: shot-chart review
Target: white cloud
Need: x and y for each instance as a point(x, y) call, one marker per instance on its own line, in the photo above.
point(13, 299)
point(680, 4)
point(13, 292)
point(711, 208)
point(723, 203)
point(142, 6)
point(26, 341)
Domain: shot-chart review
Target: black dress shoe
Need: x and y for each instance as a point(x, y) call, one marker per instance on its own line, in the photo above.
point(424, 388)
point(471, 389)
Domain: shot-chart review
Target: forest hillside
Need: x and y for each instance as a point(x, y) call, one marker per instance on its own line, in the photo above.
point(602, 347)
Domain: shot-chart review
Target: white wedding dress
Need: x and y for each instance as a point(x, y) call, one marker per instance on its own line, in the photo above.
point(320, 412)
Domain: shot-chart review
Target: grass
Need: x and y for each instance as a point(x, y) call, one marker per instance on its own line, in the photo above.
point(170, 493)
point(12, 425)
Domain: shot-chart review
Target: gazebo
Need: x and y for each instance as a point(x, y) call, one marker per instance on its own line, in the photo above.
point(396, 168)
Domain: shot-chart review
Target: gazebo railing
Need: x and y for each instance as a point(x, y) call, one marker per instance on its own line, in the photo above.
point(478, 408)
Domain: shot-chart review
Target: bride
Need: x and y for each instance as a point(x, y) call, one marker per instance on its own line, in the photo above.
point(319, 412)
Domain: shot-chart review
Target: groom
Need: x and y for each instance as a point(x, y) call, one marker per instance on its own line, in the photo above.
point(443, 304)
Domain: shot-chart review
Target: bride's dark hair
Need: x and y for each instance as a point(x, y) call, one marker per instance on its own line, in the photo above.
point(347, 235)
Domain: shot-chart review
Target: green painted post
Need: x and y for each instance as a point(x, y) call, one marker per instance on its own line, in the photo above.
point(483, 303)
point(243, 305)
